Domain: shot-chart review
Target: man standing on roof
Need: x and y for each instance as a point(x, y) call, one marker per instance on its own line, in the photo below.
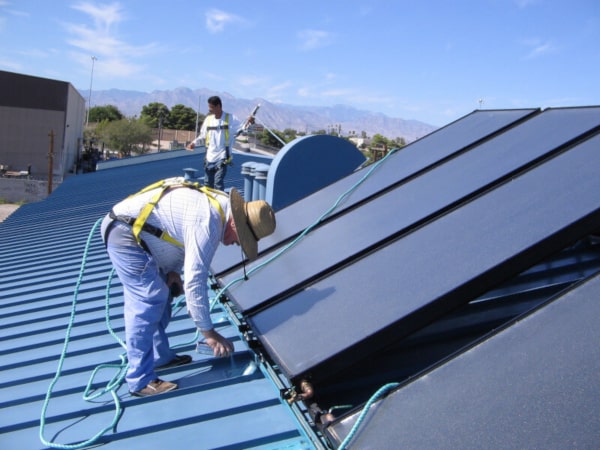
point(151, 237)
point(218, 133)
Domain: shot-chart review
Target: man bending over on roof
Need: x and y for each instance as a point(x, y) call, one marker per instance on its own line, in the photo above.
point(151, 238)
point(218, 133)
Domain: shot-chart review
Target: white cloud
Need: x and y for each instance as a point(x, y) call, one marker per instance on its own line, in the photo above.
point(250, 80)
point(280, 87)
point(338, 93)
point(11, 65)
point(538, 48)
point(37, 53)
point(211, 76)
point(304, 92)
point(277, 93)
point(12, 12)
point(313, 39)
point(104, 16)
point(116, 58)
point(216, 20)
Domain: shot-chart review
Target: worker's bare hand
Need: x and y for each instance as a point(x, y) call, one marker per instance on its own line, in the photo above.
point(190, 146)
point(221, 346)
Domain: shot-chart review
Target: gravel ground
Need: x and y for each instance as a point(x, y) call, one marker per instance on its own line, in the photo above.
point(6, 210)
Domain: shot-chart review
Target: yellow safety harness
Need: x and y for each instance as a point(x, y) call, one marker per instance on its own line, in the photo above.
point(220, 127)
point(139, 224)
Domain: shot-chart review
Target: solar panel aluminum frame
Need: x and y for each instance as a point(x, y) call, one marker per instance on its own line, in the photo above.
point(338, 320)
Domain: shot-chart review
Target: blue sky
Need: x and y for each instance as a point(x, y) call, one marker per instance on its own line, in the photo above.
point(432, 61)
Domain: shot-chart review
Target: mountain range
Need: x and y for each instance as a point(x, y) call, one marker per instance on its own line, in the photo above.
point(273, 115)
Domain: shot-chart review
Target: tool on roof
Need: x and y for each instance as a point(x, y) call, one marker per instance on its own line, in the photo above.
point(252, 115)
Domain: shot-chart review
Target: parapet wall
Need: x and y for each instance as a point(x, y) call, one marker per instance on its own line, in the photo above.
point(23, 190)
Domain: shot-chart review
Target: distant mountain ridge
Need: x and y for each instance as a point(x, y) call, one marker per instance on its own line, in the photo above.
point(273, 115)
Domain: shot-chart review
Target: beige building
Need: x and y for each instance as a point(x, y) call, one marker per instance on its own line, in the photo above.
point(38, 115)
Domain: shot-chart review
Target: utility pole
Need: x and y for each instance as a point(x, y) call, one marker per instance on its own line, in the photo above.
point(50, 161)
point(87, 117)
point(160, 124)
point(197, 117)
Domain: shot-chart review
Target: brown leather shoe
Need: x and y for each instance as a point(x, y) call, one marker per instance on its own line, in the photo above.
point(155, 387)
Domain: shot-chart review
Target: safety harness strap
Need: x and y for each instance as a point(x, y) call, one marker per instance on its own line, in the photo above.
point(151, 229)
point(145, 213)
point(211, 195)
point(220, 127)
point(138, 224)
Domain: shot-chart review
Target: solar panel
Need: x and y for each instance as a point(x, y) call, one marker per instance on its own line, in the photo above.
point(545, 366)
point(409, 205)
point(413, 158)
point(438, 266)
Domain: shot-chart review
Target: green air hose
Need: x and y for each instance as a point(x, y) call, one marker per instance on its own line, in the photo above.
point(381, 392)
point(112, 386)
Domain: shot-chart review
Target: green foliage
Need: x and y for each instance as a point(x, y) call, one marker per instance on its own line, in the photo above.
point(156, 115)
point(380, 141)
point(269, 140)
point(399, 142)
point(91, 134)
point(106, 112)
point(183, 117)
point(180, 117)
point(289, 135)
point(126, 135)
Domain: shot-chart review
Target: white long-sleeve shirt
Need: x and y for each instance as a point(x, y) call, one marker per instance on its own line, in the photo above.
point(215, 150)
point(187, 216)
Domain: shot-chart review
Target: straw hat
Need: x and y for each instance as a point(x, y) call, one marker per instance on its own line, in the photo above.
point(253, 220)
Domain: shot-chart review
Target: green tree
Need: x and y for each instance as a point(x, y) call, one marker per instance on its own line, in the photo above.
point(183, 117)
point(156, 115)
point(107, 112)
point(269, 140)
point(289, 134)
point(90, 135)
point(380, 141)
point(126, 135)
point(399, 142)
